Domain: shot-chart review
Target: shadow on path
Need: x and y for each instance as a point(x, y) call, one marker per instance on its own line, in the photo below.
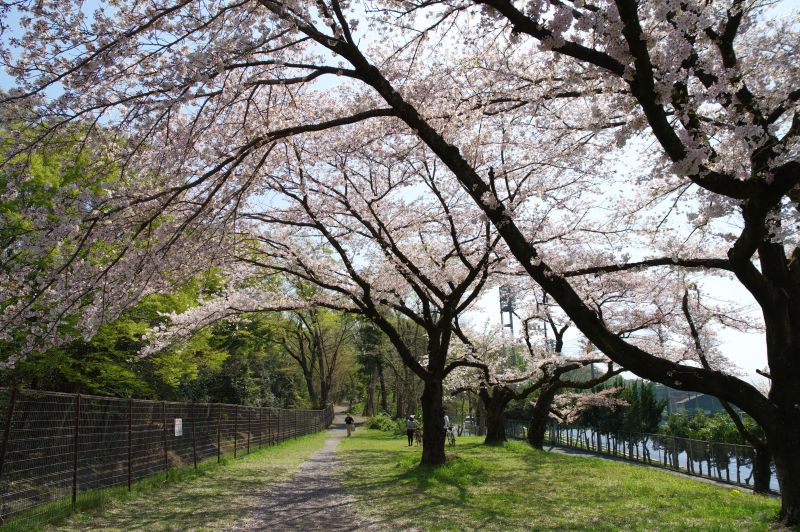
point(313, 499)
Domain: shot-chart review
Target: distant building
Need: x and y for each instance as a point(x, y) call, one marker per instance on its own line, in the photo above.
point(678, 400)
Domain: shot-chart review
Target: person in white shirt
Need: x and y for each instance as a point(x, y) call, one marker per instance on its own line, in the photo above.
point(411, 426)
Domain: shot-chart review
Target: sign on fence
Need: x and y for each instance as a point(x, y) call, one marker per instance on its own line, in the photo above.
point(178, 426)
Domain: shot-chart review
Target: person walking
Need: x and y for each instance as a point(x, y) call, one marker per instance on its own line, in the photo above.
point(411, 426)
point(349, 422)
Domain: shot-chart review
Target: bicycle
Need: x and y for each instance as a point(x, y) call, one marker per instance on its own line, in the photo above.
point(451, 435)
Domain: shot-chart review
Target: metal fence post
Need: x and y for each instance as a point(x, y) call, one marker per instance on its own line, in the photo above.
point(164, 433)
point(249, 419)
point(192, 416)
point(6, 434)
point(235, 428)
point(75, 450)
point(219, 437)
point(260, 426)
point(130, 442)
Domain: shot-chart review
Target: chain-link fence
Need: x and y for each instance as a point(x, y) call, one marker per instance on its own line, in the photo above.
point(55, 446)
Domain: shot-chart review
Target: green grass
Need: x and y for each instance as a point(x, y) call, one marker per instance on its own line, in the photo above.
point(211, 497)
point(515, 487)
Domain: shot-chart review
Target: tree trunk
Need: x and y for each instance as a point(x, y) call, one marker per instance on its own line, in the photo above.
point(494, 404)
point(787, 466)
point(495, 421)
point(433, 423)
point(382, 382)
point(399, 412)
point(541, 415)
point(480, 415)
point(762, 473)
point(369, 402)
point(312, 391)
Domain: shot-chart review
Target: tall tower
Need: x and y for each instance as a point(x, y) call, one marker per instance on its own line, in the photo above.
point(507, 307)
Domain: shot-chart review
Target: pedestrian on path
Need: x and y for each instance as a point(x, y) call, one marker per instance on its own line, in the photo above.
point(349, 422)
point(411, 426)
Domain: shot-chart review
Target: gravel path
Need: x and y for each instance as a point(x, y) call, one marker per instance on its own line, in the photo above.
point(313, 499)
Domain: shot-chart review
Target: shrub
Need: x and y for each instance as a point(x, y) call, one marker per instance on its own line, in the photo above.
point(386, 424)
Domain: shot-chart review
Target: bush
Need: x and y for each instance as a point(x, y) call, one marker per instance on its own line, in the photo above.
point(386, 424)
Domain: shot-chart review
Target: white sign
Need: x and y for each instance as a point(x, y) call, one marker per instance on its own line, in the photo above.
point(178, 426)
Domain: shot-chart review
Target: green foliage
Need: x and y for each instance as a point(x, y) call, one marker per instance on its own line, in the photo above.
point(230, 362)
point(641, 415)
point(717, 427)
point(385, 423)
point(255, 369)
point(108, 364)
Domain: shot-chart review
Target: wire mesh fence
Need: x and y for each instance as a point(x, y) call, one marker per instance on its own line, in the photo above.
point(54, 447)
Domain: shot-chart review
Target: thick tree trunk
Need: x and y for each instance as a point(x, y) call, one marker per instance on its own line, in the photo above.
point(782, 428)
point(540, 417)
point(433, 423)
point(762, 473)
point(494, 403)
point(787, 467)
point(495, 420)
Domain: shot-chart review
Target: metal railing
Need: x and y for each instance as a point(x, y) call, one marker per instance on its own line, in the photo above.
point(722, 462)
point(56, 446)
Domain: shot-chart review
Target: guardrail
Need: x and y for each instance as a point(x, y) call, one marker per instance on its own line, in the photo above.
point(56, 446)
point(722, 462)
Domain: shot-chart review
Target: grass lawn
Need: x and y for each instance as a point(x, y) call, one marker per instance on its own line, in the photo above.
point(515, 487)
point(212, 498)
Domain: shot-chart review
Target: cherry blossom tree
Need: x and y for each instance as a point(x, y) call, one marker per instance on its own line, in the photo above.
point(376, 237)
point(539, 109)
point(501, 375)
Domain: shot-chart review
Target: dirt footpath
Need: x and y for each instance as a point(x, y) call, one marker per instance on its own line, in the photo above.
point(313, 499)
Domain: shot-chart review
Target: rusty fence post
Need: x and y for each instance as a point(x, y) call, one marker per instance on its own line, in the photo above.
point(249, 424)
point(130, 442)
point(75, 450)
point(6, 436)
point(192, 416)
point(260, 426)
